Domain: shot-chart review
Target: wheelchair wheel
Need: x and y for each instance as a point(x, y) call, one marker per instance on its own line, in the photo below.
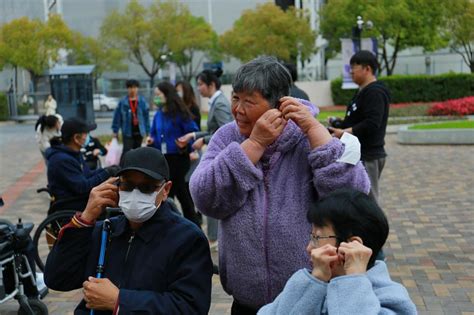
point(38, 307)
point(47, 233)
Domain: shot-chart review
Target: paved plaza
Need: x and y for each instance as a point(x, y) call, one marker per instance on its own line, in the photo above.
point(426, 191)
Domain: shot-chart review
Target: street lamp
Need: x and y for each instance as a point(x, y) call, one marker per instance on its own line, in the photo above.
point(357, 31)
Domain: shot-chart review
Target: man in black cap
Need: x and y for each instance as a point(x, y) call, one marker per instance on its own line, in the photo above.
point(156, 261)
point(69, 178)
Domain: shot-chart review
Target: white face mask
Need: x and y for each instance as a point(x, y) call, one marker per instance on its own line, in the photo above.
point(180, 94)
point(137, 206)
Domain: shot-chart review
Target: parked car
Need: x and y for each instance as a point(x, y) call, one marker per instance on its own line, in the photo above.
point(104, 103)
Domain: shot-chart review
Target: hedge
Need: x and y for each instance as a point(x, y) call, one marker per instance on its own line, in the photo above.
point(3, 107)
point(415, 88)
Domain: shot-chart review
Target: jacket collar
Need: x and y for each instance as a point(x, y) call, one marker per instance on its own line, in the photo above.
point(121, 226)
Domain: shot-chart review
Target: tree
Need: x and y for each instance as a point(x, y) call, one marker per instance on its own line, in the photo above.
point(461, 28)
point(396, 24)
point(268, 30)
point(132, 32)
point(88, 50)
point(184, 34)
point(33, 44)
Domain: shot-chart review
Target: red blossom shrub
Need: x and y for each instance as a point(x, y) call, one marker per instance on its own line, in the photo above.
point(457, 107)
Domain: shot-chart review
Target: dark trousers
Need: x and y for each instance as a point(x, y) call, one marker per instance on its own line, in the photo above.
point(240, 309)
point(130, 143)
point(179, 165)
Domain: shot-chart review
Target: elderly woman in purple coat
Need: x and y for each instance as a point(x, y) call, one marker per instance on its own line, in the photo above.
point(258, 176)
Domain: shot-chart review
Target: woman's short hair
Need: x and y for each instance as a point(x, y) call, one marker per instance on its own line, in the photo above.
point(210, 76)
point(352, 213)
point(266, 76)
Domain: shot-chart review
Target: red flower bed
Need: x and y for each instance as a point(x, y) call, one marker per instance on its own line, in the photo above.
point(457, 107)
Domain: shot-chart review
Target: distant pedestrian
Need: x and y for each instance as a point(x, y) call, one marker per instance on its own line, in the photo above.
point(294, 90)
point(173, 120)
point(50, 105)
point(47, 127)
point(366, 116)
point(132, 117)
point(219, 114)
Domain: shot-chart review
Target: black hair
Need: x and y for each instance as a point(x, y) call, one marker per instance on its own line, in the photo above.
point(174, 104)
point(266, 76)
point(49, 121)
point(132, 83)
point(352, 213)
point(365, 58)
point(293, 71)
point(209, 76)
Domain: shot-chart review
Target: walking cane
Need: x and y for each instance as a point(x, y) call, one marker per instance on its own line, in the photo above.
point(103, 246)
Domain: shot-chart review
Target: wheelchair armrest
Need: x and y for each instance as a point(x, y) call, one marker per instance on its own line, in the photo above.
point(44, 189)
point(28, 227)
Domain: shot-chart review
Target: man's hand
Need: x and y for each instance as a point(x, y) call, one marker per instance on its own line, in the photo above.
point(198, 144)
point(356, 257)
point(96, 152)
point(322, 257)
point(336, 132)
point(268, 128)
point(149, 140)
point(104, 195)
point(100, 294)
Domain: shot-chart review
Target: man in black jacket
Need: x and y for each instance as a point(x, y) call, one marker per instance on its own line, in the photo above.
point(366, 116)
point(156, 261)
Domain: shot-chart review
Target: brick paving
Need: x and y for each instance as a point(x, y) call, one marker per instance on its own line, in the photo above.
point(427, 192)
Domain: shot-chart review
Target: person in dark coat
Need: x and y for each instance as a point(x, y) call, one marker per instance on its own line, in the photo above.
point(92, 150)
point(157, 262)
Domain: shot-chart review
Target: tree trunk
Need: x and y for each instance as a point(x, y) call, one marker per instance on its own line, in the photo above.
point(471, 65)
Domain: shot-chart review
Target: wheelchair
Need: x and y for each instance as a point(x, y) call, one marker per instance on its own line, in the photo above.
point(17, 272)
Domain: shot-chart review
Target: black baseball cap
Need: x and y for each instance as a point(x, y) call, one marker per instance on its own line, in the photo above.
point(147, 160)
point(74, 125)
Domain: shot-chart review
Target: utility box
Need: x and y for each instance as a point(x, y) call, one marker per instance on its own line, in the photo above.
point(72, 88)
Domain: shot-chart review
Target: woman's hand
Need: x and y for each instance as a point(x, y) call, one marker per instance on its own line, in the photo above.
point(186, 138)
point(356, 257)
point(149, 140)
point(322, 257)
point(198, 144)
point(104, 195)
point(317, 134)
point(267, 128)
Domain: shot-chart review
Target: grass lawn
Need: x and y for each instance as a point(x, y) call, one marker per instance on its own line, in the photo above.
point(463, 124)
point(323, 115)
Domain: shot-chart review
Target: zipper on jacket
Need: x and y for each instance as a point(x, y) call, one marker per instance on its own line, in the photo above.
point(266, 169)
point(130, 240)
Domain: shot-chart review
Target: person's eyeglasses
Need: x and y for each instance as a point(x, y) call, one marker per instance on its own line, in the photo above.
point(144, 188)
point(316, 238)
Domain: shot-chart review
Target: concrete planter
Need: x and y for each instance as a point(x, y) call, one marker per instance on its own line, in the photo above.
point(437, 136)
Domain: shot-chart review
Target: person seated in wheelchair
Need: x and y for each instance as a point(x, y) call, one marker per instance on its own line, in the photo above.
point(69, 178)
point(157, 262)
point(91, 151)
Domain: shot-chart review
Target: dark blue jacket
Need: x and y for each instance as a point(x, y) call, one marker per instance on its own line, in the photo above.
point(123, 117)
point(70, 177)
point(168, 129)
point(168, 269)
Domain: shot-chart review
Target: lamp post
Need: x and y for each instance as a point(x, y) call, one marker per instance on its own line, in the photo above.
point(357, 31)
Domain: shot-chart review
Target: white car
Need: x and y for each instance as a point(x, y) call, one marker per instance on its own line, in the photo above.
point(105, 103)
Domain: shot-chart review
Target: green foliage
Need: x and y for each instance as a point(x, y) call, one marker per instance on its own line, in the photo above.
point(461, 29)
point(400, 24)
point(463, 124)
point(23, 109)
point(3, 107)
point(166, 28)
point(416, 88)
point(268, 30)
point(88, 50)
point(31, 44)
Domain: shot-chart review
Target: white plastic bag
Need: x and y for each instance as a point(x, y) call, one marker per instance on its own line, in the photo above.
point(114, 152)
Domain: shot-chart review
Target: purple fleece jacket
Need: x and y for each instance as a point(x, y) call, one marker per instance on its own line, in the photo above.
point(263, 229)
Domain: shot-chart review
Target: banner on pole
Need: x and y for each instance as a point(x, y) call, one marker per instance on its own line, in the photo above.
point(348, 47)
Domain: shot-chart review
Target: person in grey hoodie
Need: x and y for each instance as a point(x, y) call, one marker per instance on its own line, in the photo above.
point(257, 177)
point(348, 230)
